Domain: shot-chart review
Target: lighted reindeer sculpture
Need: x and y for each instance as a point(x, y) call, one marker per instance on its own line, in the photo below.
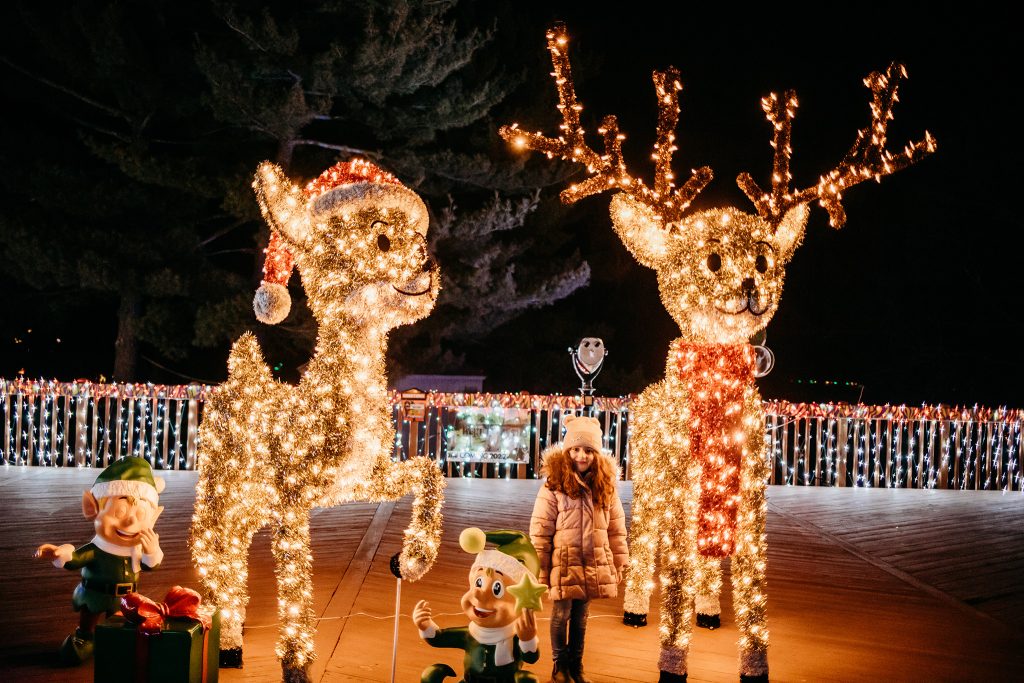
point(699, 459)
point(269, 451)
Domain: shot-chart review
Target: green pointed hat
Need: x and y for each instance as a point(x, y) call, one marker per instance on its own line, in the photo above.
point(129, 477)
point(514, 556)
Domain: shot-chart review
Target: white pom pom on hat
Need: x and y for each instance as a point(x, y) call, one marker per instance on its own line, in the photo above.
point(272, 303)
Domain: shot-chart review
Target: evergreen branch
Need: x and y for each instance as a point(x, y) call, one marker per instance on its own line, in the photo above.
point(63, 88)
point(105, 131)
point(220, 233)
point(190, 378)
point(239, 31)
point(337, 148)
point(244, 250)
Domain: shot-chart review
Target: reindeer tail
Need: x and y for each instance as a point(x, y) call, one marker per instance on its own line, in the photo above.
point(245, 363)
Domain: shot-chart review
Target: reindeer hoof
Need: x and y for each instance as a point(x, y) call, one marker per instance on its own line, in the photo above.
point(666, 677)
point(231, 659)
point(759, 678)
point(395, 566)
point(294, 674)
point(709, 621)
point(633, 619)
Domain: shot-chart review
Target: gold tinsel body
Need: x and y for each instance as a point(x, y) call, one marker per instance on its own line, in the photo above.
point(269, 452)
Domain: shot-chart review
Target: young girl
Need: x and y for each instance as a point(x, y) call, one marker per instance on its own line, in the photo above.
point(579, 530)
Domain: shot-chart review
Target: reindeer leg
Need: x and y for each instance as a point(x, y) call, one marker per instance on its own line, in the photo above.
point(708, 586)
point(220, 548)
point(293, 566)
point(424, 479)
point(678, 561)
point(640, 574)
point(648, 451)
point(749, 565)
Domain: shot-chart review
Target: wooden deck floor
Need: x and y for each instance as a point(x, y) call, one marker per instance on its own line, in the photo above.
point(864, 585)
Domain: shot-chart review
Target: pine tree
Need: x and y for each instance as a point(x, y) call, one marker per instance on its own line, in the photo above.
point(174, 107)
point(87, 216)
point(411, 85)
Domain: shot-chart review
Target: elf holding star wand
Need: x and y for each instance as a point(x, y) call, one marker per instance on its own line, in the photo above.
point(503, 594)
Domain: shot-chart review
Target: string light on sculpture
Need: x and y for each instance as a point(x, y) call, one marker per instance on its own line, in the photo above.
point(700, 467)
point(270, 452)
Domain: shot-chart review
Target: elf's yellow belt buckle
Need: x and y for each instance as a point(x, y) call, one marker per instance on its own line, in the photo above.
point(124, 588)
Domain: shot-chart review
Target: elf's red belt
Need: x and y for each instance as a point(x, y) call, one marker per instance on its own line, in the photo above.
point(716, 378)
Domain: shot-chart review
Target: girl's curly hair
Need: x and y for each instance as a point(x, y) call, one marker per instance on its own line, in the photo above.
point(561, 476)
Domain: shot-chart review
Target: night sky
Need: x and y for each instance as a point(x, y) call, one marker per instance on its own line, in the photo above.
point(914, 301)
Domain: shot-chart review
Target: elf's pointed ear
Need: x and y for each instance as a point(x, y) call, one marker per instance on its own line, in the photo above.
point(90, 506)
point(157, 515)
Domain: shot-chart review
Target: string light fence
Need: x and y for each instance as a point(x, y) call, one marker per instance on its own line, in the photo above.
point(83, 424)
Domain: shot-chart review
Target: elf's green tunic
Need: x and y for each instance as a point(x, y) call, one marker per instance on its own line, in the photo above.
point(479, 663)
point(102, 572)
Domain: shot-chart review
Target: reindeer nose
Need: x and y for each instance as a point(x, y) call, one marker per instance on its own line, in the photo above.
point(748, 284)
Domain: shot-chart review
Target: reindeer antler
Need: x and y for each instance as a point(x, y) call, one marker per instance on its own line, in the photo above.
point(868, 157)
point(608, 171)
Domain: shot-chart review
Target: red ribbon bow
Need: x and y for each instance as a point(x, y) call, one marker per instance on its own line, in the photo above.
point(148, 616)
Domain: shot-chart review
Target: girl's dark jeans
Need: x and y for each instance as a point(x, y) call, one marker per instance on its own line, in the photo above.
point(568, 628)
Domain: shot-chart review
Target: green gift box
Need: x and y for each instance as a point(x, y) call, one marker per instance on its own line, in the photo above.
point(174, 655)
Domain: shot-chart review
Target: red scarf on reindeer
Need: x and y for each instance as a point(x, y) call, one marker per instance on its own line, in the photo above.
point(716, 378)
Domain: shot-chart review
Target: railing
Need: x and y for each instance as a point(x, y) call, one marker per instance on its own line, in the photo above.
point(82, 424)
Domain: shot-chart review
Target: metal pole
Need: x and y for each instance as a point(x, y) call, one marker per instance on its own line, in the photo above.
point(394, 641)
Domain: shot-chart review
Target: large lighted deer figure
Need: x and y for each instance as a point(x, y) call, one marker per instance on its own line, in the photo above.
point(269, 452)
point(699, 460)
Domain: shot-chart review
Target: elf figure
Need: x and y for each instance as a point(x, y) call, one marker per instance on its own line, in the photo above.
point(503, 594)
point(122, 505)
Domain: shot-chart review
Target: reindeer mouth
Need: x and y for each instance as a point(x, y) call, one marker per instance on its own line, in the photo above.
point(749, 302)
point(426, 290)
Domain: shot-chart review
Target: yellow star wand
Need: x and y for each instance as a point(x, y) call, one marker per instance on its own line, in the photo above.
point(527, 593)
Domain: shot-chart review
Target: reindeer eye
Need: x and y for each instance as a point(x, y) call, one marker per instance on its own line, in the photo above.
point(714, 263)
point(761, 263)
point(383, 243)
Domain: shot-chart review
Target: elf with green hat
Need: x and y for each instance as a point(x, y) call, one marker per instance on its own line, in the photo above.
point(503, 594)
point(123, 507)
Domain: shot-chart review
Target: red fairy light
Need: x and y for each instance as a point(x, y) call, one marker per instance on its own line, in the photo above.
point(716, 416)
point(277, 267)
point(347, 173)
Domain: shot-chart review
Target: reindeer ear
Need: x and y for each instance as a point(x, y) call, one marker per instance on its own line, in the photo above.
point(791, 231)
point(640, 229)
point(282, 203)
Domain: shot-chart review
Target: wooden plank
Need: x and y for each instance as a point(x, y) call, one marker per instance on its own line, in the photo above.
point(864, 585)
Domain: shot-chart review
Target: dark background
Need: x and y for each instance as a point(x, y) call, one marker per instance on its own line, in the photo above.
point(914, 300)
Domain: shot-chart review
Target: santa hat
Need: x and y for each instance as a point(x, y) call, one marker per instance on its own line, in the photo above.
point(514, 556)
point(354, 185)
point(582, 431)
point(129, 476)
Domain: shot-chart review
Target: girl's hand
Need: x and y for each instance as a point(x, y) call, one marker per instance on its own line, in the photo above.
point(526, 625)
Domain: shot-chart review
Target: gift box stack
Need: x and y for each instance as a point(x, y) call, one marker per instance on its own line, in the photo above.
point(176, 641)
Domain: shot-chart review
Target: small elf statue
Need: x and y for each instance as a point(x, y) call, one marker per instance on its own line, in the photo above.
point(122, 505)
point(503, 594)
